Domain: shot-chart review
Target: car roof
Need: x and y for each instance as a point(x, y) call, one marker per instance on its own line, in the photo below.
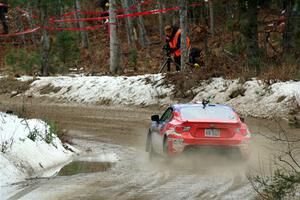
point(177, 107)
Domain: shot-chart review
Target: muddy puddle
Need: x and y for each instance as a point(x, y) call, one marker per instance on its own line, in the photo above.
point(78, 167)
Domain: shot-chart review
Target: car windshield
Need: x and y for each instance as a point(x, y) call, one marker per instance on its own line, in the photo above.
point(210, 112)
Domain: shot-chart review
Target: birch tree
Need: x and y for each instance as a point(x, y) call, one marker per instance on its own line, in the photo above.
point(114, 61)
point(161, 19)
point(184, 27)
point(45, 41)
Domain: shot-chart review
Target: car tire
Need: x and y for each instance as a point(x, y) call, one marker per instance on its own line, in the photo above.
point(167, 158)
point(166, 147)
point(149, 148)
point(152, 154)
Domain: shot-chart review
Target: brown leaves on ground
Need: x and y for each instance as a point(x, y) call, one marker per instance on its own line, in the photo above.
point(9, 85)
point(284, 72)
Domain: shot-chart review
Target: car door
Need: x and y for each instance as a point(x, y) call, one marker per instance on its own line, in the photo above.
point(158, 135)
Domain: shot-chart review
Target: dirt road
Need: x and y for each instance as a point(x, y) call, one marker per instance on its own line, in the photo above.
point(105, 132)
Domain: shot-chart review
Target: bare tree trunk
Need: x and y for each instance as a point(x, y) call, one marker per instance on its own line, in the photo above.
point(61, 11)
point(30, 21)
point(211, 16)
point(45, 49)
point(20, 26)
point(184, 27)
point(84, 34)
point(142, 29)
point(161, 20)
point(129, 25)
point(114, 43)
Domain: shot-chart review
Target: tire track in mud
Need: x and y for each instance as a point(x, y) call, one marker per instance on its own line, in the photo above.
point(133, 177)
point(122, 132)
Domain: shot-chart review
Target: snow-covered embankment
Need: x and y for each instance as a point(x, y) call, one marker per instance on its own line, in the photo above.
point(134, 90)
point(252, 98)
point(29, 148)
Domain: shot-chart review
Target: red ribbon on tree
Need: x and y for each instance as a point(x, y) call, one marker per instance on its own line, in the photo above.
point(28, 31)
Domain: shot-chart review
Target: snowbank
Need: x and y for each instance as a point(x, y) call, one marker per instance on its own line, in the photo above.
point(252, 98)
point(27, 148)
point(136, 90)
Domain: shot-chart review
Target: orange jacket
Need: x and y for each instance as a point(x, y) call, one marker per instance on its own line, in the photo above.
point(175, 45)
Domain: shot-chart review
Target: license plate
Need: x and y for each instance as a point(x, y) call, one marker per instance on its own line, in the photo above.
point(212, 133)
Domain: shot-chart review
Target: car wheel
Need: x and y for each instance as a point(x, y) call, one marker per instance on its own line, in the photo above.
point(166, 147)
point(168, 159)
point(149, 148)
point(152, 154)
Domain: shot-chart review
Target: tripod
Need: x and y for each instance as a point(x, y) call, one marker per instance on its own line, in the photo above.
point(167, 62)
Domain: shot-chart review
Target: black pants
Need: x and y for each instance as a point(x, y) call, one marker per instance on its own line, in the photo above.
point(177, 60)
point(3, 20)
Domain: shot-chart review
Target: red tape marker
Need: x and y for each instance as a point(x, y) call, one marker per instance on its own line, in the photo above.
point(151, 12)
point(20, 33)
point(121, 16)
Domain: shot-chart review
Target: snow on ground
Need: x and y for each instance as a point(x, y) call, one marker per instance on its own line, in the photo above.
point(252, 98)
point(136, 90)
point(28, 148)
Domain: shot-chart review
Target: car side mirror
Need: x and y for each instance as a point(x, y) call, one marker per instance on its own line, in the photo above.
point(155, 118)
point(242, 119)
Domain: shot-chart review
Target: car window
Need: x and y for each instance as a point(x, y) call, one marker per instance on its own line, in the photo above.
point(167, 116)
point(207, 113)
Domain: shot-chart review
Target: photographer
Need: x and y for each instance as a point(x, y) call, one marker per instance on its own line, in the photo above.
point(3, 12)
point(173, 39)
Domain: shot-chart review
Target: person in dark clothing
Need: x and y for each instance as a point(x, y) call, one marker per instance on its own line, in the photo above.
point(195, 58)
point(173, 38)
point(103, 4)
point(3, 12)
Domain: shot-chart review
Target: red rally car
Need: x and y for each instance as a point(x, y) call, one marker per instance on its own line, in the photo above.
point(186, 126)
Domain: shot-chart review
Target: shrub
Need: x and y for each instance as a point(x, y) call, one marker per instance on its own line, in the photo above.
point(133, 59)
point(33, 134)
point(282, 185)
point(4, 146)
point(51, 133)
point(65, 52)
point(286, 71)
point(21, 62)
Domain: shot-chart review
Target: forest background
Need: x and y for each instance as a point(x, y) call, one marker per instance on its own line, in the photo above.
point(237, 38)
